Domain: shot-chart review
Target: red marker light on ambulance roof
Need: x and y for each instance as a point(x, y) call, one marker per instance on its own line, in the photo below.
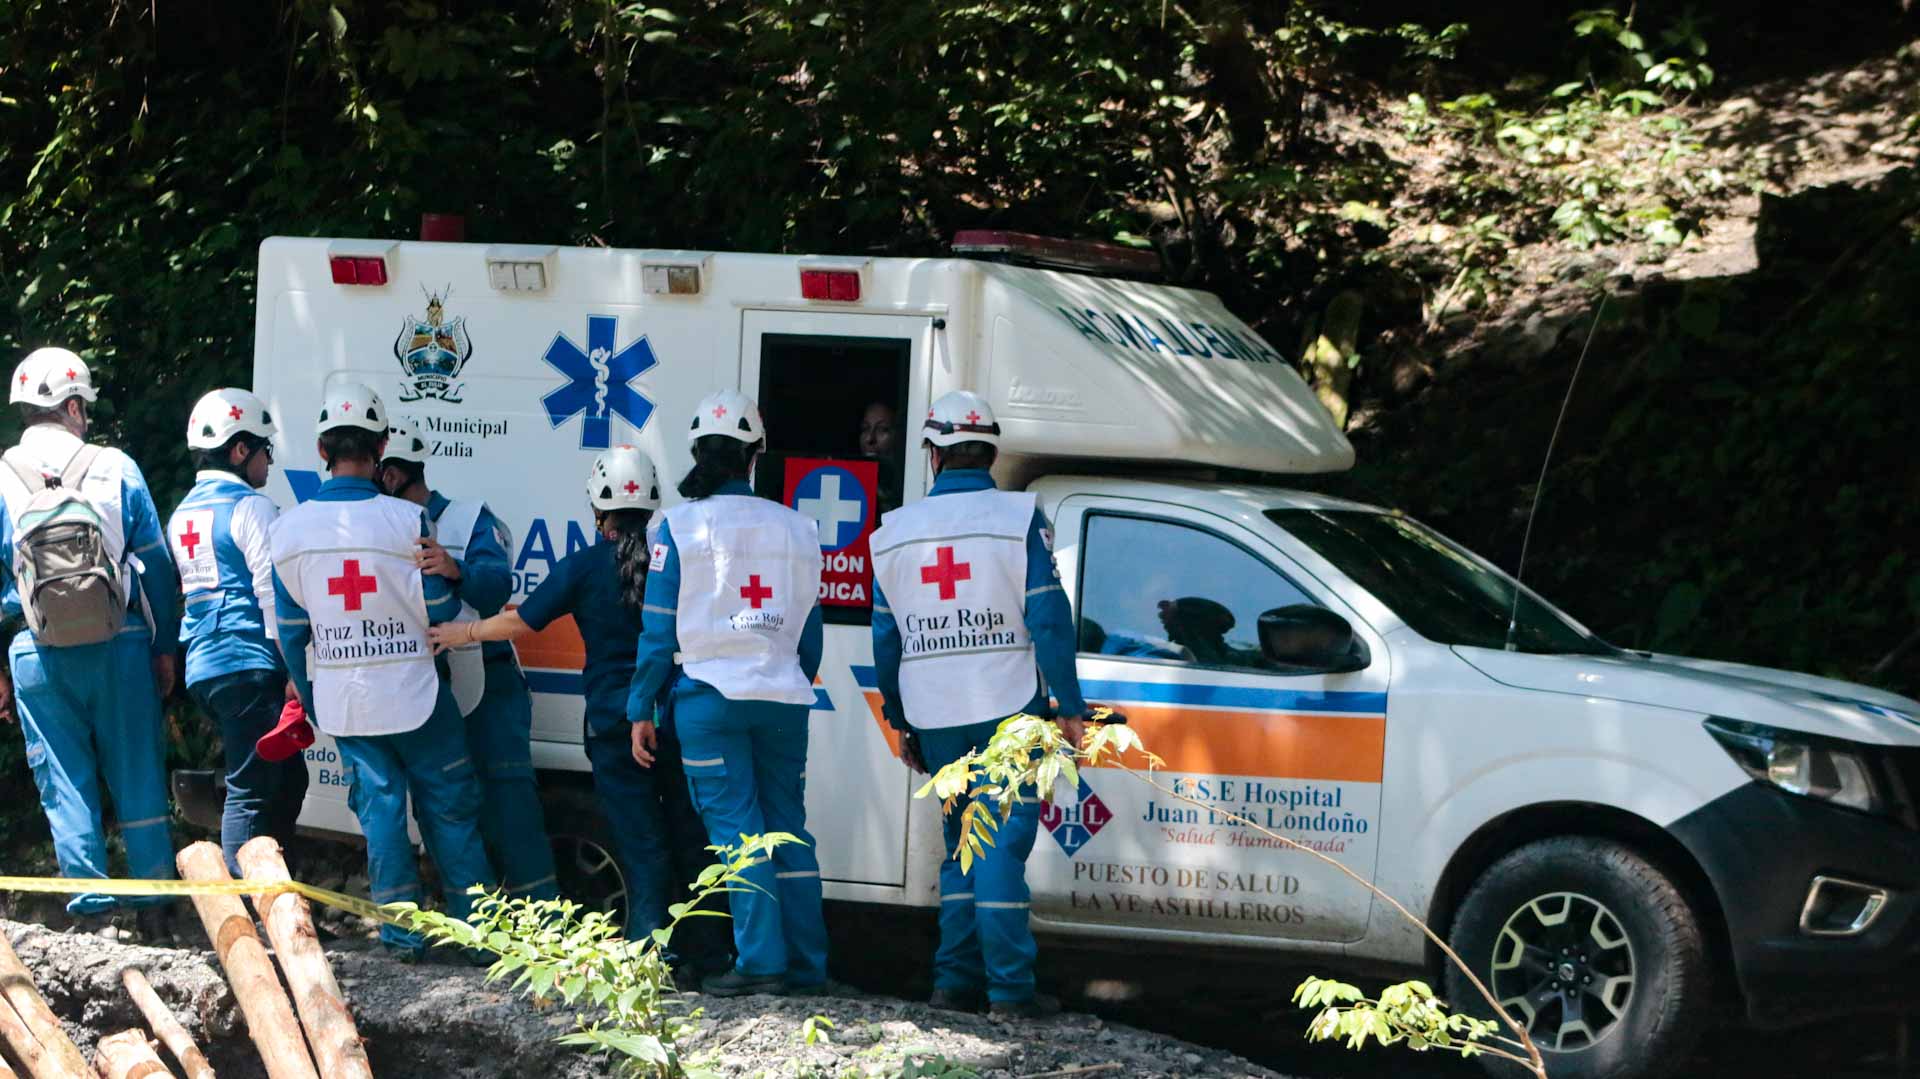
point(842, 285)
point(348, 270)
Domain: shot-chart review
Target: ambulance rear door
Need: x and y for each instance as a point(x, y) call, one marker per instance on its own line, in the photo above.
point(1168, 598)
point(815, 375)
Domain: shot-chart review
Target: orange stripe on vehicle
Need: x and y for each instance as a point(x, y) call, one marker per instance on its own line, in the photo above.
point(558, 647)
point(874, 705)
point(1276, 745)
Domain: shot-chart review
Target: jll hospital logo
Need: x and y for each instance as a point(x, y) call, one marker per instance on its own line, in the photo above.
point(1074, 825)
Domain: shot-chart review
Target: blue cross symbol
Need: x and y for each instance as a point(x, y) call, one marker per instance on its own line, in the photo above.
point(597, 382)
point(835, 500)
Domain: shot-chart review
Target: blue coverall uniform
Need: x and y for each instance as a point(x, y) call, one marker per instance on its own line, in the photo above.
point(90, 712)
point(431, 763)
point(500, 730)
point(234, 669)
point(657, 836)
point(985, 941)
point(746, 767)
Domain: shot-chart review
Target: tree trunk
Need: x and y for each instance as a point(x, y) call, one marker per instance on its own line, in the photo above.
point(270, 1021)
point(127, 1055)
point(161, 1019)
point(289, 920)
point(31, 1010)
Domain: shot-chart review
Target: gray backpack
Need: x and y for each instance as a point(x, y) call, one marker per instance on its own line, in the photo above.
point(71, 589)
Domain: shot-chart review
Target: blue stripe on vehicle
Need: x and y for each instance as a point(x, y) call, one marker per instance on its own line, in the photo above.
point(866, 677)
point(556, 682)
point(1200, 694)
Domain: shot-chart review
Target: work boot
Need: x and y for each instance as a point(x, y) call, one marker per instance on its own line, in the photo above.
point(736, 984)
point(153, 926)
point(1039, 1006)
point(971, 1001)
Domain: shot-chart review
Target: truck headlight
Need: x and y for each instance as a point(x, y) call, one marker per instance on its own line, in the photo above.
point(1824, 768)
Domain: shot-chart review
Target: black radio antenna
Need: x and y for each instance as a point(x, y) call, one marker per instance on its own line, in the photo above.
point(1526, 539)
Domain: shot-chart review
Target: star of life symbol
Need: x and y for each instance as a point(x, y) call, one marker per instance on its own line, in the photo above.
point(837, 503)
point(1074, 824)
point(597, 382)
point(432, 351)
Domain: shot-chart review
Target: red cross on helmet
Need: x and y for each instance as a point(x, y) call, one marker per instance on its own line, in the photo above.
point(352, 404)
point(961, 416)
point(48, 376)
point(224, 413)
point(404, 441)
point(622, 478)
point(728, 413)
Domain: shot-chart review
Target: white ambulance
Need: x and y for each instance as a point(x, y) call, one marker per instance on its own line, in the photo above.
point(1616, 840)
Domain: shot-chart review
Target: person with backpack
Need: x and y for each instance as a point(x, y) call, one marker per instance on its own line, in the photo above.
point(346, 583)
point(86, 570)
point(218, 537)
point(468, 548)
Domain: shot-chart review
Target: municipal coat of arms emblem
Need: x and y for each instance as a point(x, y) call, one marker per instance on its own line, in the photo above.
point(432, 351)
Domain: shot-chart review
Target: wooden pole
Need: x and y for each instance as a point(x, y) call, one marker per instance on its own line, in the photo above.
point(127, 1055)
point(27, 1049)
point(31, 1009)
point(316, 995)
point(161, 1019)
point(6, 1072)
point(270, 1019)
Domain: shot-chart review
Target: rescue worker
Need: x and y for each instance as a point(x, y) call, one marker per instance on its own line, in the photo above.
point(345, 581)
point(218, 537)
point(968, 571)
point(468, 548)
point(91, 712)
point(732, 586)
point(637, 777)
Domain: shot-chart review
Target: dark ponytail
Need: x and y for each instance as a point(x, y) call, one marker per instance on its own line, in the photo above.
point(717, 461)
point(630, 556)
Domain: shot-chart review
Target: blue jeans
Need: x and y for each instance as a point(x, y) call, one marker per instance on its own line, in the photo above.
point(263, 796)
point(91, 715)
point(658, 840)
point(985, 941)
point(430, 763)
point(746, 766)
point(499, 734)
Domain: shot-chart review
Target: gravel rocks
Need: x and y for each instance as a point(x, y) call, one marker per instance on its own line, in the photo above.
point(445, 1022)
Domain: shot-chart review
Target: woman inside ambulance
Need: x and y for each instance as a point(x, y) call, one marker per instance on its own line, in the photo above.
point(731, 622)
point(637, 778)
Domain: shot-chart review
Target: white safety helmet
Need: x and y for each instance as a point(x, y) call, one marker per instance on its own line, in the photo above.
point(48, 376)
point(404, 442)
point(224, 413)
point(728, 413)
point(961, 416)
point(623, 479)
point(352, 404)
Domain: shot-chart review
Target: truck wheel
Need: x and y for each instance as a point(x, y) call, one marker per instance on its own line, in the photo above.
point(583, 860)
point(1590, 948)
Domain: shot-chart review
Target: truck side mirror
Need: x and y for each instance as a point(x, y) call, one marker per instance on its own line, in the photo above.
point(1310, 638)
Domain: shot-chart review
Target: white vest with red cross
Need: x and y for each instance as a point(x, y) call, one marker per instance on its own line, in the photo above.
point(350, 566)
point(954, 571)
point(749, 577)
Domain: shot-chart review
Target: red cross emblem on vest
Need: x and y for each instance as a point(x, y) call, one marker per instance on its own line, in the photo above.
point(190, 539)
point(944, 571)
point(754, 592)
point(351, 584)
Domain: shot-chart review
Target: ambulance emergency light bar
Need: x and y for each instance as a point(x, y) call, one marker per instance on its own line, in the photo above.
point(359, 262)
point(674, 276)
point(831, 279)
point(1055, 251)
point(520, 267)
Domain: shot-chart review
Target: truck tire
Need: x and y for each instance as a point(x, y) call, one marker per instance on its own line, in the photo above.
point(583, 860)
point(1594, 950)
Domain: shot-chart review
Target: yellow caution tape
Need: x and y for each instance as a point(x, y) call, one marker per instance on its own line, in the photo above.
point(265, 889)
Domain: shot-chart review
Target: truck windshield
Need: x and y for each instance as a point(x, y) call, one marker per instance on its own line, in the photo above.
point(1444, 593)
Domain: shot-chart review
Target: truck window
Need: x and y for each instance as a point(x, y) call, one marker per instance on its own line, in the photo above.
point(835, 410)
point(1159, 590)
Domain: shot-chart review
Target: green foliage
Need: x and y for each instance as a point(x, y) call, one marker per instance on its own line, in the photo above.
point(555, 950)
point(1406, 1013)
